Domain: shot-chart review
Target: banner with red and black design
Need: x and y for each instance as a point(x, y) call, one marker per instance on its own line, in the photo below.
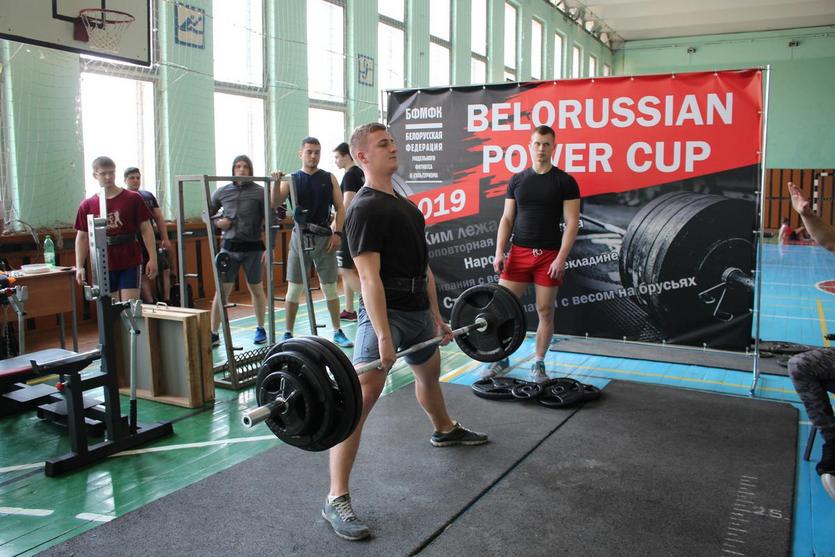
point(668, 170)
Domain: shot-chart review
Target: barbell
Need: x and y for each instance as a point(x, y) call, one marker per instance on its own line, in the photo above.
point(703, 239)
point(308, 391)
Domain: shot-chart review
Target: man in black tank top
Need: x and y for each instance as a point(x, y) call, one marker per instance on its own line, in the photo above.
point(399, 309)
point(316, 192)
point(537, 200)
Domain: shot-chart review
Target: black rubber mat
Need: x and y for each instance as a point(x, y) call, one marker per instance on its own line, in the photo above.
point(645, 471)
point(405, 489)
point(669, 353)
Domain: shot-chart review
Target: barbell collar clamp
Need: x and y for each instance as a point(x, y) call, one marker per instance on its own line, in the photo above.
point(262, 413)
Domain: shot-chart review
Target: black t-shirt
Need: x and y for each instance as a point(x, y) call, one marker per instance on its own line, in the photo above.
point(315, 194)
point(152, 203)
point(539, 203)
point(353, 179)
point(392, 226)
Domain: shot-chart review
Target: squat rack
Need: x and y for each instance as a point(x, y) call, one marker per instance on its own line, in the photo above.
point(242, 372)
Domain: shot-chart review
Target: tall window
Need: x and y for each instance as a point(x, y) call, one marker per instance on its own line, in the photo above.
point(326, 50)
point(440, 45)
point(510, 26)
point(536, 49)
point(576, 61)
point(478, 37)
point(328, 126)
point(238, 41)
point(239, 130)
point(592, 66)
point(607, 70)
point(117, 120)
point(393, 9)
point(391, 47)
point(558, 54)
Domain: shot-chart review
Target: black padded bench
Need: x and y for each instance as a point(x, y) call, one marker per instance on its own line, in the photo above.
point(15, 395)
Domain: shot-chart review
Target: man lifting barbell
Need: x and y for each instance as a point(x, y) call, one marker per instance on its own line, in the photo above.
point(400, 307)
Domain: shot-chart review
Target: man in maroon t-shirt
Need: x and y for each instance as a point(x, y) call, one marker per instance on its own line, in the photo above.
point(127, 215)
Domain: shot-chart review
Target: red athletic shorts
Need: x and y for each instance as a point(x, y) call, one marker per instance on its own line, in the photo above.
point(530, 265)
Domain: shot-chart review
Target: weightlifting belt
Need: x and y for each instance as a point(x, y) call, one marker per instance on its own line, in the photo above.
point(243, 245)
point(315, 229)
point(414, 284)
point(119, 239)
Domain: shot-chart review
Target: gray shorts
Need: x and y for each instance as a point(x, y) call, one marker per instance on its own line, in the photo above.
point(251, 261)
point(343, 256)
point(407, 328)
point(324, 260)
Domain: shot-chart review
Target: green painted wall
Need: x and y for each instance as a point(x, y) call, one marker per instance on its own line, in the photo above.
point(43, 154)
point(185, 100)
point(801, 112)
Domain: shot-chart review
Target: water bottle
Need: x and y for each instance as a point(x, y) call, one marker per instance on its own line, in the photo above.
point(48, 251)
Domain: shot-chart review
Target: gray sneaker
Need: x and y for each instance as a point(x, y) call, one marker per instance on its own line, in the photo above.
point(341, 517)
point(459, 435)
point(538, 372)
point(494, 369)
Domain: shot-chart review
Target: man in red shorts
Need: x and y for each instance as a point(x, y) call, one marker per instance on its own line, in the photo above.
point(537, 200)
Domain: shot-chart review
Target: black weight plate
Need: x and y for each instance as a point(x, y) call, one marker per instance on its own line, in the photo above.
point(318, 377)
point(223, 261)
point(680, 249)
point(668, 244)
point(722, 255)
point(349, 391)
point(297, 414)
point(590, 392)
point(560, 393)
point(497, 388)
point(635, 232)
point(505, 316)
point(778, 347)
point(652, 228)
point(529, 391)
point(296, 364)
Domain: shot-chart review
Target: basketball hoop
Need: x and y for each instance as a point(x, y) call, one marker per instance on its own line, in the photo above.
point(102, 28)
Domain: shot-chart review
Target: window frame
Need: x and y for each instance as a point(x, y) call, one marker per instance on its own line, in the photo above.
point(508, 70)
point(264, 76)
point(396, 24)
point(576, 56)
point(325, 103)
point(446, 44)
point(115, 68)
point(562, 40)
point(477, 55)
point(542, 57)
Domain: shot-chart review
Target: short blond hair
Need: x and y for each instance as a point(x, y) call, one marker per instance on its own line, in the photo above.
point(360, 135)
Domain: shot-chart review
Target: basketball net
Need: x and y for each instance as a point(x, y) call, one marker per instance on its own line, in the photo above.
point(104, 28)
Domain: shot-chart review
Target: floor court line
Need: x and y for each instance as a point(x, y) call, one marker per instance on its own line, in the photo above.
point(822, 320)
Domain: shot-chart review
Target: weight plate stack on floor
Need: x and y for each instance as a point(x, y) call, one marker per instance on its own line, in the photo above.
point(555, 393)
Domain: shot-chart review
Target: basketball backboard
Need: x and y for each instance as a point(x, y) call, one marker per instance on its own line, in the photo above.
point(52, 23)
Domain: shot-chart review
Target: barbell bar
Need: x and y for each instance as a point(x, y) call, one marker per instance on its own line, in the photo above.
point(308, 391)
point(262, 413)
